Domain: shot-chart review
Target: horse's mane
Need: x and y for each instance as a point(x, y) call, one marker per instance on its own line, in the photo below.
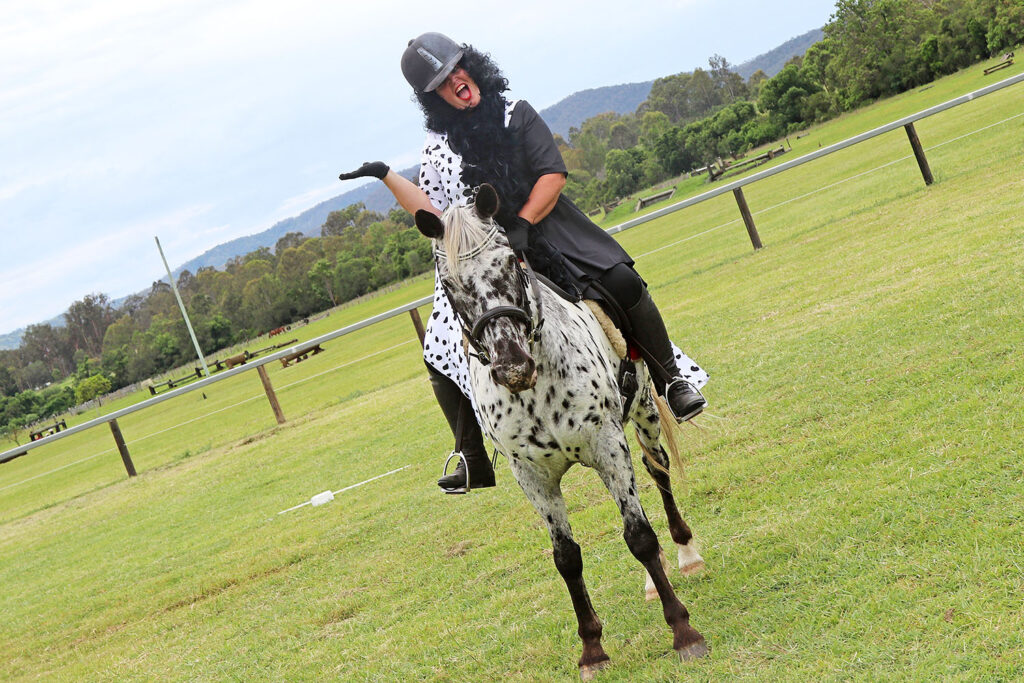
point(463, 231)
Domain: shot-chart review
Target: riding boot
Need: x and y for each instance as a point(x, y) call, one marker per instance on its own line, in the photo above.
point(650, 335)
point(458, 410)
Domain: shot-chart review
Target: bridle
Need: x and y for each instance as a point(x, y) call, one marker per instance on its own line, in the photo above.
point(530, 315)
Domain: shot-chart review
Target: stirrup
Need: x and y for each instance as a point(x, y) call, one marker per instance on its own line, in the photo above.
point(693, 413)
point(465, 465)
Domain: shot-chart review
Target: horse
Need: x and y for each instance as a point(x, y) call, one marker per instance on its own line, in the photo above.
point(546, 382)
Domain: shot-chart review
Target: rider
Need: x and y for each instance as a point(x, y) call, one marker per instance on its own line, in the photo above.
point(474, 135)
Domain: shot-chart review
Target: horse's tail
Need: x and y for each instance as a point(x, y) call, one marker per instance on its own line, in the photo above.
point(669, 433)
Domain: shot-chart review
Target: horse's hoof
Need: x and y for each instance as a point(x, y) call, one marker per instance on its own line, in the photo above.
point(694, 651)
point(651, 594)
point(693, 568)
point(588, 671)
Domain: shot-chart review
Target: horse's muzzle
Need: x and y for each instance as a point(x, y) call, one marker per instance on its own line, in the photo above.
point(515, 375)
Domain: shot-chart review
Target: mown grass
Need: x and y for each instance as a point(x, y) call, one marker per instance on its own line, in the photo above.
point(857, 486)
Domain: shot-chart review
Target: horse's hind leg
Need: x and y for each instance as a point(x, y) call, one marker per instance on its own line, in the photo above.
point(546, 497)
point(643, 544)
point(656, 461)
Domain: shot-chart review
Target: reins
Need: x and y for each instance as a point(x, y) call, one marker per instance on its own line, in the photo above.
point(532, 316)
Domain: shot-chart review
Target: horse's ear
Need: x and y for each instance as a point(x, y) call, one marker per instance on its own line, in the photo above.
point(486, 201)
point(429, 224)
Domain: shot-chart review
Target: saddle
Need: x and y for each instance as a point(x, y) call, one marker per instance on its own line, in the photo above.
point(603, 308)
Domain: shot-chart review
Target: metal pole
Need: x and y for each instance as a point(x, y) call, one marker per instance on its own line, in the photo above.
point(181, 305)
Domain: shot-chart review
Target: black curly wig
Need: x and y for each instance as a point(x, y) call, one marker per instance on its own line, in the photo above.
point(479, 135)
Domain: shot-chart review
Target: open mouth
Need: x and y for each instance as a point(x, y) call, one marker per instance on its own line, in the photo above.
point(463, 92)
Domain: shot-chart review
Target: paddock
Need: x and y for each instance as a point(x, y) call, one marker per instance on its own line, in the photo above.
point(857, 484)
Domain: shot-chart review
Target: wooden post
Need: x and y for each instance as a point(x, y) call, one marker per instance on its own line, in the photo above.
point(271, 396)
point(748, 220)
point(417, 322)
point(122, 448)
point(922, 160)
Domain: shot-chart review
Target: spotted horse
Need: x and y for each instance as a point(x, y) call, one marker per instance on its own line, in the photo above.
point(546, 381)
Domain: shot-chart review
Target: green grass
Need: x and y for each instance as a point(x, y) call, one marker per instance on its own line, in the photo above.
point(857, 488)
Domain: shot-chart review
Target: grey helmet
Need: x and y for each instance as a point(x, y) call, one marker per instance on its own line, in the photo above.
point(428, 60)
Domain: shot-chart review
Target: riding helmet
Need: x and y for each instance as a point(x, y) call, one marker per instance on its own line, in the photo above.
point(428, 60)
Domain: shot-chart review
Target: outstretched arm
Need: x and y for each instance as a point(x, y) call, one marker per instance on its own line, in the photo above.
point(409, 196)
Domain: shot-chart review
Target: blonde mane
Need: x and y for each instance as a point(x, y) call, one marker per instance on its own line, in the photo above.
point(464, 231)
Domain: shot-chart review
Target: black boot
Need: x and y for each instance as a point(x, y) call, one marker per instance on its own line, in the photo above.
point(648, 330)
point(469, 440)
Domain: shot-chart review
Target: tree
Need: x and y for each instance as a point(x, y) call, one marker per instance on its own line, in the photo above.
point(670, 96)
point(321, 277)
point(8, 381)
point(1007, 27)
point(337, 221)
point(728, 82)
point(624, 168)
point(622, 135)
point(92, 387)
point(289, 241)
point(49, 345)
point(755, 82)
point(784, 94)
point(653, 125)
point(87, 321)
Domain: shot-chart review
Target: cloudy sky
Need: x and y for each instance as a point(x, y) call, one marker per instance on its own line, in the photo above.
point(203, 120)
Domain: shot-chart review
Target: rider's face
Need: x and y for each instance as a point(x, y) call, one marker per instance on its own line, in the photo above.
point(459, 90)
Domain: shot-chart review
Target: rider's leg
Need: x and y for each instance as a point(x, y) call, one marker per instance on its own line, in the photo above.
point(458, 409)
point(648, 330)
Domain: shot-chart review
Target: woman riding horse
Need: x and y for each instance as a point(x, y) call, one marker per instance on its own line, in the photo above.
point(475, 135)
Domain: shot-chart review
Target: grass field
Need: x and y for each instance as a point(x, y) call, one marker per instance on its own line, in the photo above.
point(857, 486)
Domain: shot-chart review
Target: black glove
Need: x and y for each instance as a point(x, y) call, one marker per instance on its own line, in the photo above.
point(518, 233)
point(377, 169)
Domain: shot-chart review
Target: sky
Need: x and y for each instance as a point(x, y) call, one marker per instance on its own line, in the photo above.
point(199, 121)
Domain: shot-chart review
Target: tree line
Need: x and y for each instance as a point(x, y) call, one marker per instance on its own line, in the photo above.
point(101, 347)
point(871, 49)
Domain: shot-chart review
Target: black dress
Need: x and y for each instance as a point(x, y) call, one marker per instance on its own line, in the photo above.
point(589, 250)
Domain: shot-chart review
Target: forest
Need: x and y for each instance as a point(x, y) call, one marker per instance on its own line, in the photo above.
point(871, 49)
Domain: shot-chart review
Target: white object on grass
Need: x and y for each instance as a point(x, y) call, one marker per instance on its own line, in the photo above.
point(327, 496)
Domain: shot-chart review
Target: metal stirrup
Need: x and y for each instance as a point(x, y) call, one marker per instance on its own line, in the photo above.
point(465, 464)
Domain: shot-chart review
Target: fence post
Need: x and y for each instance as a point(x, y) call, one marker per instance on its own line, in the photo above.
point(417, 322)
point(922, 160)
point(122, 447)
point(271, 396)
point(748, 220)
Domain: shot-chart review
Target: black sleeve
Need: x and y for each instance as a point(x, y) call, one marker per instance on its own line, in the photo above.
point(542, 155)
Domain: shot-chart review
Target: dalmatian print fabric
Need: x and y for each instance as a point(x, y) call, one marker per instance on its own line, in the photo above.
point(440, 178)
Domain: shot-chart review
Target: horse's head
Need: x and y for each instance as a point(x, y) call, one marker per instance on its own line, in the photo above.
point(486, 286)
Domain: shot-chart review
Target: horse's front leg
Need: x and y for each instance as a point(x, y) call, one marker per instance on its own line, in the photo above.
point(617, 475)
point(543, 490)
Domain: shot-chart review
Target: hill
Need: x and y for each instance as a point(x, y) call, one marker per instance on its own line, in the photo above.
point(374, 195)
point(623, 99)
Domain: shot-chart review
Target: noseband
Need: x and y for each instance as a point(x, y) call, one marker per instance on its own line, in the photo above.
point(530, 315)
